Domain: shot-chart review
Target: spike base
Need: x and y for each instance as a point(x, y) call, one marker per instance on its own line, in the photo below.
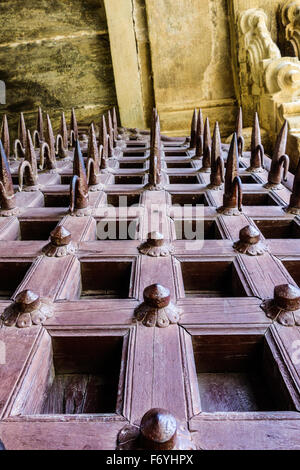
point(228, 210)
point(256, 249)
point(12, 316)
point(9, 212)
point(81, 212)
point(205, 170)
point(254, 169)
point(292, 210)
point(274, 186)
point(59, 251)
point(162, 317)
point(284, 317)
point(214, 187)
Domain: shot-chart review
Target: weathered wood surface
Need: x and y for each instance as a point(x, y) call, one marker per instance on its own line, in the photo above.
point(193, 368)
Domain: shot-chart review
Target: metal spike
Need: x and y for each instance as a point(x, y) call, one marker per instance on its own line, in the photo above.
point(5, 136)
point(22, 130)
point(239, 132)
point(232, 198)
point(193, 142)
point(93, 164)
point(257, 150)
point(199, 136)
point(40, 124)
point(7, 195)
point(79, 195)
point(64, 131)
point(115, 122)
point(280, 161)
point(217, 163)
point(206, 148)
point(30, 164)
point(155, 155)
point(73, 128)
point(111, 130)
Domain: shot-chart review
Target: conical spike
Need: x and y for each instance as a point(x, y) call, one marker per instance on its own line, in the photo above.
point(216, 151)
point(206, 145)
point(30, 154)
point(64, 130)
point(200, 125)
point(22, 130)
point(78, 162)
point(103, 131)
point(110, 129)
point(92, 145)
point(7, 197)
point(115, 122)
point(255, 136)
point(50, 138)
point(155, 154)
point(239, 132)
point(5, 136)
point(217, 164)
point(40, 124)
point(280, 146)
point(194, 130)
point(74, 125)
point(232, 164)
point(153, 124)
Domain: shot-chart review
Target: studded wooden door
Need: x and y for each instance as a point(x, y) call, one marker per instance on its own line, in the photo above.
point(209, 354)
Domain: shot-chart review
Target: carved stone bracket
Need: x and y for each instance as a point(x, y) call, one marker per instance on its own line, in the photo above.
point(290, 18)
point(285, 306)
point(157, 309)
point(60, 244)
point(156, 246)
point(158, 430)
point(250, 242)
point(28, 309)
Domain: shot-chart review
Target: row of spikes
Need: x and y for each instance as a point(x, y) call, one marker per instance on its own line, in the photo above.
point(200, 134)
point(44, 133)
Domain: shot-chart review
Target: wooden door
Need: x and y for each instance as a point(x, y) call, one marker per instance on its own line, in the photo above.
point(229, 374)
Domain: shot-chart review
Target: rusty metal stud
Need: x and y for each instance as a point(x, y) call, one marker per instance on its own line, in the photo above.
point(294, 205)
point(93, 163)
point(28, 171)
point(79, 193)
point(232, 198)
point(5, 136)
point(250, 242)
point(73, 128)
point(193, 141)
point(158, 430)
point(257, 150)
point(27, 309)
point(7, 195)
point(280, 161)
point(206, 161)
point(217, 162)
point(156, 245)
point(60, 243)
point(47, 153)
point(157, 309)
point(62, 140)
point(285, 305)
point(239, 132)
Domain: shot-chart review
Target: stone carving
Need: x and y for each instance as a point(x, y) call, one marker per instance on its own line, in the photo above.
point(290, 18)
point(93, 164)
point(232, 198)
point(47, 153)
point(5, 136)
point(7, 195)
point(280, 161)
point(285, 306)
point(79, 192)
point(20, 142)
point(156, 246)
point(60, 243)
point(257, 150)
point(28, 309)
point(38, 134)
point(157, 309)
point(250, 242)
point(294, 205)
point(206, 161)
point(158, 430)
point(217, 162)
point(28, 172)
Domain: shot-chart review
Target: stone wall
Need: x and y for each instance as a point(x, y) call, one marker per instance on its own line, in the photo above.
point(56, 54)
